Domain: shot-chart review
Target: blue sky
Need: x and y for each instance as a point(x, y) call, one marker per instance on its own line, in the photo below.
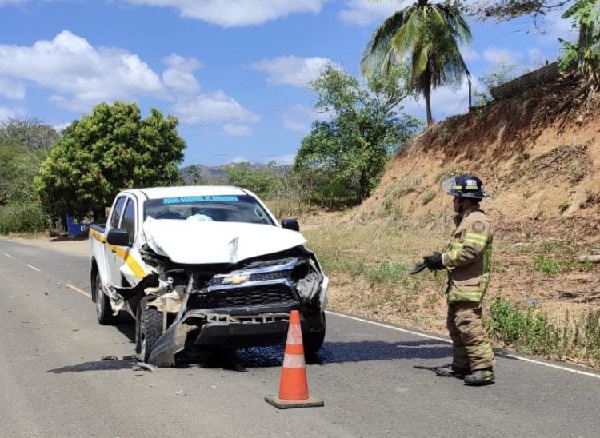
point(235, 72)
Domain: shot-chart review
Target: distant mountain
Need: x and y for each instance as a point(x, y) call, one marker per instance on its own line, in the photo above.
point(200, 173)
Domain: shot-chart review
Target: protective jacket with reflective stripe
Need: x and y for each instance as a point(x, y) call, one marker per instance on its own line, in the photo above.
point(467, 257)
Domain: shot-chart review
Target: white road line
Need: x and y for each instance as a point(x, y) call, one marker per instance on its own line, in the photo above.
point(550, 365)
point(512, 356)
point(8, 255)
point(76, 289)
point(398, 329)
point(34, 268)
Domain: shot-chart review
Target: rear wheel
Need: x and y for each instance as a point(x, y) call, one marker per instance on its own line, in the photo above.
point(148, 329)
point(104, 311)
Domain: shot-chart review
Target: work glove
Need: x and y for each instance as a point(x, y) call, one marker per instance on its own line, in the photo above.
point(434, 261)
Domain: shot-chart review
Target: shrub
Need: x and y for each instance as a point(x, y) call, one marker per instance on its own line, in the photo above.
point(23, 218)
point(548, 265)
point(428, 196)
point(530, 331)
point(514, 326)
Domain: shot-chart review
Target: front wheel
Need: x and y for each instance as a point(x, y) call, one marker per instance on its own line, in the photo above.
point(148, 329)
point(313, 341)
point(104, 311)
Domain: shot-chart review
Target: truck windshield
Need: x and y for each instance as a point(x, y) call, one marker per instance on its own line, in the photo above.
point(222, 208)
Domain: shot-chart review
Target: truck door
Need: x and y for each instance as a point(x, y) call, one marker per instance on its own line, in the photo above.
point(113, 261)
point(128, 221)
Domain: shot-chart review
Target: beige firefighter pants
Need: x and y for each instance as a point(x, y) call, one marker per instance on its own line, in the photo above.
point(471, 344)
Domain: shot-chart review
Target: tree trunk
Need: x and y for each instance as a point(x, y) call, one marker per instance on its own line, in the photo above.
point(427, 94)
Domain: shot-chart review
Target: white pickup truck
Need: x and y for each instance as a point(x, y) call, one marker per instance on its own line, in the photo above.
point(200, 266)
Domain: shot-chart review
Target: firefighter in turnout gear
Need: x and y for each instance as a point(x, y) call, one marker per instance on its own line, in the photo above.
point(467, 261)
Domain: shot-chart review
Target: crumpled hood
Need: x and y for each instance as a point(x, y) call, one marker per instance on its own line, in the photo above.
point(207, 242)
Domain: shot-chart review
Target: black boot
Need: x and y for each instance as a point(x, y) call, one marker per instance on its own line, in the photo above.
point(480, 377)
point(450, 370)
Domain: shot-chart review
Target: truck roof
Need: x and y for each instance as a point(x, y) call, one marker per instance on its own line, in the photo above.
point(166, 192)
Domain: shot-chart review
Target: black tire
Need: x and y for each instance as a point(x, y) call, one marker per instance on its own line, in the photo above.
point(148, 329)
point(313, 341)
point(104, 311)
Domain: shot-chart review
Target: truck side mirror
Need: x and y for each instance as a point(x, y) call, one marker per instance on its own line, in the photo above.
point(118, 236)
point(290, 224)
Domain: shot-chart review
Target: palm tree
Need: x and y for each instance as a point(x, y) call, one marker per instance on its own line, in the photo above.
point(426, 36)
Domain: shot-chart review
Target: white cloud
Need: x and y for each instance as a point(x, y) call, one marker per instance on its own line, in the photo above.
point(10, 113)
point(80, 74)
point(238, 160)
point(229, 13)
point(61, 126)
point(237, 130)
point(299, 118)
point(278, 160)
point(282, 159)
point(536, 58)
point(559, 28)
point(445, 101)
point(291, 70)
point(495, 55)
point(215, 107)
point(295, 125)
point(179, 75)
point(451, 100)
point(7, 2)
point(468, 53)
point(12, 89)
point(366, 12)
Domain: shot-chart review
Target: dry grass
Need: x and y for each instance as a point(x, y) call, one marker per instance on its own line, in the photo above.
point(543, 172)
point(369, 265)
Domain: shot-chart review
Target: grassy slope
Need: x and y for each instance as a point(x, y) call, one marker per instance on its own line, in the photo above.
point(539, 156)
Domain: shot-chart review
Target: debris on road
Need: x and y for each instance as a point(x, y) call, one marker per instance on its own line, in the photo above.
point(110, 357)
point(142, 366)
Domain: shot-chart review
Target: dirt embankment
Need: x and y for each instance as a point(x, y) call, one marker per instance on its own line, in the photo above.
point(539, 157)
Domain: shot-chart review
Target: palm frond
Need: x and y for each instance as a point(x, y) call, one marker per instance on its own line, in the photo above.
point(378, 51)
point(426, 36)
point(409, 35)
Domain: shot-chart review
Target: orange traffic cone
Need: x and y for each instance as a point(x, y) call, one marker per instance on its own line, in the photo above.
point(293, 388)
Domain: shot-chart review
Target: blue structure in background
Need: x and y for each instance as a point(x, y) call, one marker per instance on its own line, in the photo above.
point(75, 227)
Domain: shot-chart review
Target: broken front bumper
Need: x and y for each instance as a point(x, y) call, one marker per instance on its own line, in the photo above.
point(246, 307)
point(198, 329)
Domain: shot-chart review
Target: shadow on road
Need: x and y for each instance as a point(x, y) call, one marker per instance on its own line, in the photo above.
point(98, 365)
point(340, 352)
point(265, 357)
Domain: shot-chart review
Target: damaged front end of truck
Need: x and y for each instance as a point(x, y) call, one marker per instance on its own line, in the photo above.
point(238, 293)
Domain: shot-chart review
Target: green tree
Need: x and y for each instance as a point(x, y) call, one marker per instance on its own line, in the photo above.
point(24, 144)
point(503, 74)
point(29, 132)
point(584, 55)
point(194, 176)
point(261, 180)
point(344, 157)
point(426, 36)
point(110, 150)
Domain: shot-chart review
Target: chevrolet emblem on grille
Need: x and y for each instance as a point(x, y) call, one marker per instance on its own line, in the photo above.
point(236, 279)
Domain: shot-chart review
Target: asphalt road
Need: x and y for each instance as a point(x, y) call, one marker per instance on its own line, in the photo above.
point(373, 378)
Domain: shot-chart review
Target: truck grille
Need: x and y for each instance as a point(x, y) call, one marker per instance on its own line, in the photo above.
point(256, 276)
point(242, 297)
